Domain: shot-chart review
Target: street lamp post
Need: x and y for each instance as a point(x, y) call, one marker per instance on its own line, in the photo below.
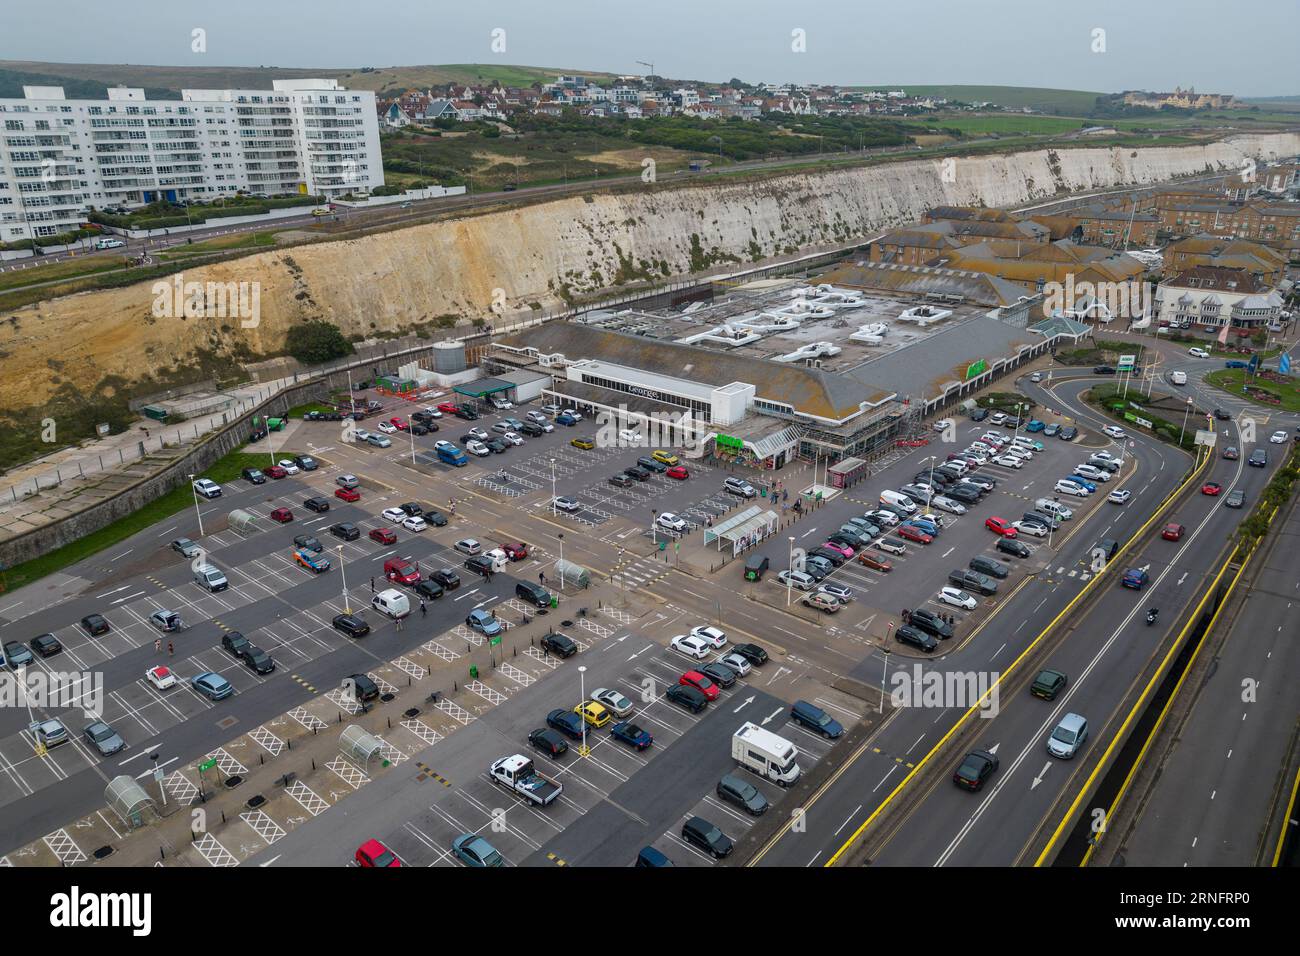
point(347, 609)
point(1186, 413)
point(582, 698)
point(562, 567)
point(789, 576)
point(197, 512)
point(552, 487)
point(884, 672)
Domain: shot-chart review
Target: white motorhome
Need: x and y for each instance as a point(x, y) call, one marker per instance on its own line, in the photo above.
point(391, 602)
point(766, 754)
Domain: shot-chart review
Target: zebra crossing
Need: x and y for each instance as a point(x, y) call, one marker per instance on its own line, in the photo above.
point(640, 573)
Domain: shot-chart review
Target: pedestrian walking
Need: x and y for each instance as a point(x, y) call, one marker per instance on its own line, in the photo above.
point(171, 649)
point(157, 645)
point(424, 608)
point(546, 650)
point(398, 620)
point(372, 585)
point(541, 577)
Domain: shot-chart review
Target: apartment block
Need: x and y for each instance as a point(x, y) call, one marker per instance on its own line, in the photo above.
point(60, 158)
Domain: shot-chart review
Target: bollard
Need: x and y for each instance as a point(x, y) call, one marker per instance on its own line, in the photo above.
point(390, 723)
point(261, 760)
point(223, 817)
point(162, 854)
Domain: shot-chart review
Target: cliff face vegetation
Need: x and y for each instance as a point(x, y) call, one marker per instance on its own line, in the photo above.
point(538, 255)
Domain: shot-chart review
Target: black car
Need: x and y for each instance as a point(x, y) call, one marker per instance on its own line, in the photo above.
point(532, 430)
point(817, 568)
point(480, 564)
point(973, 581)
point(658, 467)
point(496, 445)
point(258, 660)
point(981, 481)
point(345, 530)
point(1048, 684)
point(351, 625)
point(1103, 370)
point(931, 623)
point(235, 644)
point(413, 509)
point(254, 475)
point(316, 504)
point(1013, 547)
point(466, 413)
point(985, 565)
point(978, 766)
point(750, 652)
point(620, 480)
point(910, 635)
point(429, 590)
point(719, 673)
point(967, 494)
point(362, 687)
point(548, 742)
point(46, 645)
point(1258, 458)
point(703, 834)
point(95, 625)
point(305, 462)
point(1221, 415)
point(435, 518)
point(688, 697)
point(734, 789)
point(637, 472)
point(308, 542)
point(834, 557)
point(566, 722)
point(422, 417)
point(419, 428)
point(1068, 433)
point(448, 578)
point(560, 644)
point(257, 434)
point(979, 414)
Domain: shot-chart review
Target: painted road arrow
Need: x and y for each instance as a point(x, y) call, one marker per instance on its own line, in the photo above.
point(1041, 774)
point(748, 701)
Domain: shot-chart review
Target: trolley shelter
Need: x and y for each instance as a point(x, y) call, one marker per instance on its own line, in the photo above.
point(243, 523)
point(743, 530)
point(128, 800)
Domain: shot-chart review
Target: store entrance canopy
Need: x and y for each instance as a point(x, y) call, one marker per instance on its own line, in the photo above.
point(483, 387)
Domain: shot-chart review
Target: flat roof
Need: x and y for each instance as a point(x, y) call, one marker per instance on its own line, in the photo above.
point(483, 386)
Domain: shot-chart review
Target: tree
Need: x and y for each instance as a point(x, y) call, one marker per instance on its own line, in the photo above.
point(315, 342)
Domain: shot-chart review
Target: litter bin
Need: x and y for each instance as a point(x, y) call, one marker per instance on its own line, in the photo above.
point(663, 545)
point(473, 671)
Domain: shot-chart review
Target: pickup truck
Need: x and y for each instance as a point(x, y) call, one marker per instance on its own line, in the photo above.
point(517, 773)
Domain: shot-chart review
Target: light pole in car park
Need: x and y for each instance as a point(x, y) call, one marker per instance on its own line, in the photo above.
point(343, 573)
point(884, 670)
point(410, 430)
point(1187, 412)
point(582, 699)
point(552, 487)
point(197, 512)
point(789, 574)
point(562, 567)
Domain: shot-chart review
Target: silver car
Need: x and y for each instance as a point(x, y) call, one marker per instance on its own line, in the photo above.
point(1068, 736)
point(103, 738)
point(612, 700)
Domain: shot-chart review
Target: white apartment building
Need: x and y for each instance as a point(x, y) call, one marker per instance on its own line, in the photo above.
point(59, 158)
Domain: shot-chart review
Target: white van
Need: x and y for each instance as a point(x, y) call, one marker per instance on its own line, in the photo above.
point(1198, 352)
point(897, 500)
point(210, 577)
point(1178, 378)
point(391, 602)
point(764, 753)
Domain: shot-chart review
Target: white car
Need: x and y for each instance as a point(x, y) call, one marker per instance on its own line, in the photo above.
point(1105, 456)
point(468, 546)
point(444, 446)
point(800, 580)
point(943, 424)
point(1119, 496)
point(1093, 473)
point(947, 504)
point(395, 515)
point(209, 488)
point(671, 522)
point(1114, 431)
point(290, 467)
point(536, 416)
point(433, 413)
point(360, 435)
point(737, 663)
point(478, 433)
point(934, 519)
point(414, 523)
point(1036, 377)
point(716, 638)
point(885, 519)
point(1009, 461)
point(1198, 352)
point(548, 410)
point(565, 503)
point(1067, 487)
point(545, 426)
point(976, 456)
point(388, 428)
point(957, 598)
point(629, 437)
point(999, 418)
point(475, 447)
point(693, 647)
point(1031, 528)
point(161, 677)
point(379, 441)
point(1021, 452)
point(1277, 438)
point(612, 701)
point(512, 438)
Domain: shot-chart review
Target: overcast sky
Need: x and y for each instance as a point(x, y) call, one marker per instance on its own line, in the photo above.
point(1246, 49)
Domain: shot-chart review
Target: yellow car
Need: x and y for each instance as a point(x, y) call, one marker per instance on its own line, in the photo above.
point(586, 443)
point(593, 713)
point(666, 457)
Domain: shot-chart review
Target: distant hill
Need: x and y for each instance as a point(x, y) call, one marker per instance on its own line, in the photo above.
point(165, 82)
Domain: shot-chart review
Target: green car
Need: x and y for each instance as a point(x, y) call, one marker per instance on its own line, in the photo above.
point(1048, 684)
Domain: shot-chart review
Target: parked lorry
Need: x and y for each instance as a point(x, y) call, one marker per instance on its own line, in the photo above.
point(764, 753)
point(517, 773)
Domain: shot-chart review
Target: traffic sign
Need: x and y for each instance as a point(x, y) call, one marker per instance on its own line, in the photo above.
point(207, 764)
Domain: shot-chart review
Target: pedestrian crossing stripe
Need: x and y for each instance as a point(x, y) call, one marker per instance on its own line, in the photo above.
point(304, 682)
point(556, 860)
point(153, 580)
point(427, 773)
point(222, 626)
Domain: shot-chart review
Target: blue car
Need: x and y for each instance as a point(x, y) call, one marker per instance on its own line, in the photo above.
point(1080, 480)
point(632, 735)
point(1035, 425)
point(566, 722)
point(1134, 578)
point(566, 419)
point(816, 719)
point(483, 622)
point(212, 686)
point(472, 850)
point(929, 527)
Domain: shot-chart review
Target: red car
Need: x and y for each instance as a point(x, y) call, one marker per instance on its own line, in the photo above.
point(914, 534)
point(374, 853)
point(1173, 532)
point(275, 471)
point(450, 408)
point(875, 563)
point(1000, 526)
point(1211, 488)
point(383, 535)
point(399, 423)
point(282, 515)
point(398, 570)
point(515, 550)
point(347, 494)
point(701, 683)
point(679, 472)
